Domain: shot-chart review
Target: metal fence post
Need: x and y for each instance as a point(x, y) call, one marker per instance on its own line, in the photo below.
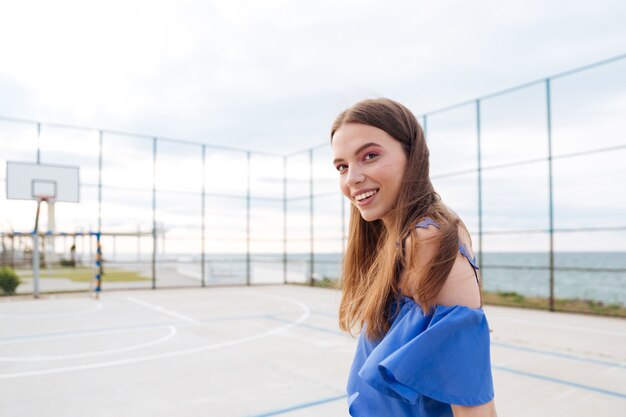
point(154, 227)
point(38, 143)
point(550, 191)
point(248, 265)
point(284, 219)
point(203, 249)
point(312, 253)
point(100, 183)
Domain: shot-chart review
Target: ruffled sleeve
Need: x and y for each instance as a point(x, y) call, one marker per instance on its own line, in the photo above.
point(444, 356)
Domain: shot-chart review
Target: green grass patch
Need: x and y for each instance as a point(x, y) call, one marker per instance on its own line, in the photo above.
point(81, 274)
point(325, 283)
point(514, 299)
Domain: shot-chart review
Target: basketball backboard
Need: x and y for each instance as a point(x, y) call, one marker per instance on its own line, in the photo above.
point(32, 181)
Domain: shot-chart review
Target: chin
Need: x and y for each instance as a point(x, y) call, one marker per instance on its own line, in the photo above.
point(369, 217)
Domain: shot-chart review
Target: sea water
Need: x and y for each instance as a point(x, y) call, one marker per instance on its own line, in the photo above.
point(598, 276)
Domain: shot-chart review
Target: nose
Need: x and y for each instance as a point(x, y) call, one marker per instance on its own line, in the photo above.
point(354, 176)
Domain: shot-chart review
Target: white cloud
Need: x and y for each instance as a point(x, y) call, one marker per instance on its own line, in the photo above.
point(272, 75)
point(261, 70)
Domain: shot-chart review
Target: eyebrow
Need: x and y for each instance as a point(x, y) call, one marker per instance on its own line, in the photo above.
point(367, 145)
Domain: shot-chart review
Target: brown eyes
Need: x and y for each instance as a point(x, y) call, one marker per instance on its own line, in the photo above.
point(367, 157)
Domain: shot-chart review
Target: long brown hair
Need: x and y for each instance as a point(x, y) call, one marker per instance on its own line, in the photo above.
point(374, 256)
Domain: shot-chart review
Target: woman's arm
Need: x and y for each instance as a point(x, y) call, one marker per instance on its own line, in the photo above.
point(483, 410)
point(460, 288)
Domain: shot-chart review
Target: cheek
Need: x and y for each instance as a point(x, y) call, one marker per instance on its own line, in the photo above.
point(394, 178)
point(344, 188)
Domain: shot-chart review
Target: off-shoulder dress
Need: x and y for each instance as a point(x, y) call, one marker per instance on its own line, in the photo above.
point(424, 363)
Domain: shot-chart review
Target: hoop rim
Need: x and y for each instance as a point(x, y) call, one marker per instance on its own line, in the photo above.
point(46, 198)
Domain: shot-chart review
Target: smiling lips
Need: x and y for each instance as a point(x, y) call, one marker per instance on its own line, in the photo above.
point(364, 196)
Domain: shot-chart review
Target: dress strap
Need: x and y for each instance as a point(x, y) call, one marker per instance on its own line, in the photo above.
point(472, 262)
point(427, 221)
point(465, 253)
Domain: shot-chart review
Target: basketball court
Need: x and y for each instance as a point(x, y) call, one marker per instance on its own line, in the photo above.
point(266, 351)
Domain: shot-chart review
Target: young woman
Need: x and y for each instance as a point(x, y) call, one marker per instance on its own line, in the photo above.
point(409, 280)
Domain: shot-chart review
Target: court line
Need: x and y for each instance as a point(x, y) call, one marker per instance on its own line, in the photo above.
point(497, 344)
point(160, 309)
point(559, 355)
point(560, 381)
point(105, 330)
point(119, 329)
point(98, 307)
point(172, 333)
point(543, 377)
point(305, 314)
point(559, 326)
point(309, 326)
point(501, 368)
point(326, 314)
point(532, 323)
point(300, 406)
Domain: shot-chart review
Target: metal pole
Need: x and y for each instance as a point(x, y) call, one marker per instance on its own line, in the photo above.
point(38, 143)
point(284, 219)
point(83, 247)
point(248, 266)
point(425, 127)
point(35, 253)
point(154, 230)
point(13, 251)
point(202, 255)
point(138, 244)
point(550, 191)
point(312, 212)
point(480, 190)
point(98, 276)
point(100, 186)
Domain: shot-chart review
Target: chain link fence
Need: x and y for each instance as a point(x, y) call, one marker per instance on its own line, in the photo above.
point(536, 172)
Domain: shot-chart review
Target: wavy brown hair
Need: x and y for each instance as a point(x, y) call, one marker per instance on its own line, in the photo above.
point(375, 254)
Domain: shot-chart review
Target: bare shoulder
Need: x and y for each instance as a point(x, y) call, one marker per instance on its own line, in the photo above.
point(423, 247)
point(461, 287)
point(420, 248)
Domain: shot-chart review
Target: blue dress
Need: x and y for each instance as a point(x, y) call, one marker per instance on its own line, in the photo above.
point(424, 363)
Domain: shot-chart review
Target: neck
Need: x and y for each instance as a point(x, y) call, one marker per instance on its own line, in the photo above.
point(389, 223)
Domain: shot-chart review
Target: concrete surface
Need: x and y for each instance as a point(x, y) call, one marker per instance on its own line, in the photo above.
point(265, 351)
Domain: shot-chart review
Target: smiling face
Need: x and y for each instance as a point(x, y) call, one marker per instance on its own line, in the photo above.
point(371, 166)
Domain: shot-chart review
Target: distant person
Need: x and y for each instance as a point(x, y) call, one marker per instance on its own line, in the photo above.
point(73, 254)
point(410, 282)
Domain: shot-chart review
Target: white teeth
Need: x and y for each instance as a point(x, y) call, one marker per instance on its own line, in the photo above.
point(363, 196)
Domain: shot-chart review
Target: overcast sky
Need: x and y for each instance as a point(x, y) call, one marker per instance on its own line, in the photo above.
point(272, 75)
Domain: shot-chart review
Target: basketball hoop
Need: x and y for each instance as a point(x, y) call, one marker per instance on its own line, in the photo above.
point(47, 198)
point(42, 182)
point(32, 181)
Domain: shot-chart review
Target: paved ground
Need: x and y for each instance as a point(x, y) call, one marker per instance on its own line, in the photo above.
point(265, 351)
point(173, 274)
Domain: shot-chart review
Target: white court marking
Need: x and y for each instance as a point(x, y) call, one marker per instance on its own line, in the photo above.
point(305, 314)
point(98, 307)
point(561, 326)
point(171, 334)
point(163, 310)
